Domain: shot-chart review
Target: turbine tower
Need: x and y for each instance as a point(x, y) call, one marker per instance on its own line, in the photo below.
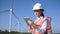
point(10, 20)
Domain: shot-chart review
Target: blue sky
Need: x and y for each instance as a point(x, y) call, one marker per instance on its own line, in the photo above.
point(23, 8)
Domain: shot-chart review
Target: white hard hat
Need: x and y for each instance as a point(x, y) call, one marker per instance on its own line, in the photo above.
point(37, 6)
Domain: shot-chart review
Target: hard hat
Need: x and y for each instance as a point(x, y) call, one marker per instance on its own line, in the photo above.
point(37, 6)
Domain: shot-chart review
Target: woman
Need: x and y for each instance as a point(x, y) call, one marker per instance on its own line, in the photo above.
point(42, 22)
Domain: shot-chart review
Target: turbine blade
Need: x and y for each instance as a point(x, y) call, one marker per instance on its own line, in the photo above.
point(15, 15)
point(4, 11)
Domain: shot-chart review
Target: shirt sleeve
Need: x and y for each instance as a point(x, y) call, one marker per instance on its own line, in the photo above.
point(43, 28)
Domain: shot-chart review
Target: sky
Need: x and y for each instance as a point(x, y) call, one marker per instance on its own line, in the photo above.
point(23, 8)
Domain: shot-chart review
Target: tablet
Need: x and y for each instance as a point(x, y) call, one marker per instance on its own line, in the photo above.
point(28, 21)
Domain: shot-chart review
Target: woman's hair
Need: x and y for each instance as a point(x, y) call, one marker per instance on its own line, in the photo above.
point(42, 14)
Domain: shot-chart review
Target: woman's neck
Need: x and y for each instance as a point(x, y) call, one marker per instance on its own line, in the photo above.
point(39, 16)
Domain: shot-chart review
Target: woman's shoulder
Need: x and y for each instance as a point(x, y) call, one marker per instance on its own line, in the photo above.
point(47, 17)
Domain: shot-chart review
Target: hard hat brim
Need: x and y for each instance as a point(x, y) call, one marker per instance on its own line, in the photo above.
point(39, 9)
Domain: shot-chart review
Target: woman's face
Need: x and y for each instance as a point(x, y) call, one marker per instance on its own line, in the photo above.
point(37, 13)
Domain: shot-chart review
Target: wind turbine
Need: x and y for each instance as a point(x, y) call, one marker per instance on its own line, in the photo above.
point(11, 13)
point(10, 21)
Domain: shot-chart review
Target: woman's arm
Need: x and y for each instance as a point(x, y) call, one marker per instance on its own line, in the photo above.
point(49, 28)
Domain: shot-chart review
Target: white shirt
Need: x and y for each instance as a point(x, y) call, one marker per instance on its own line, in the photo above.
point(44, 25)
